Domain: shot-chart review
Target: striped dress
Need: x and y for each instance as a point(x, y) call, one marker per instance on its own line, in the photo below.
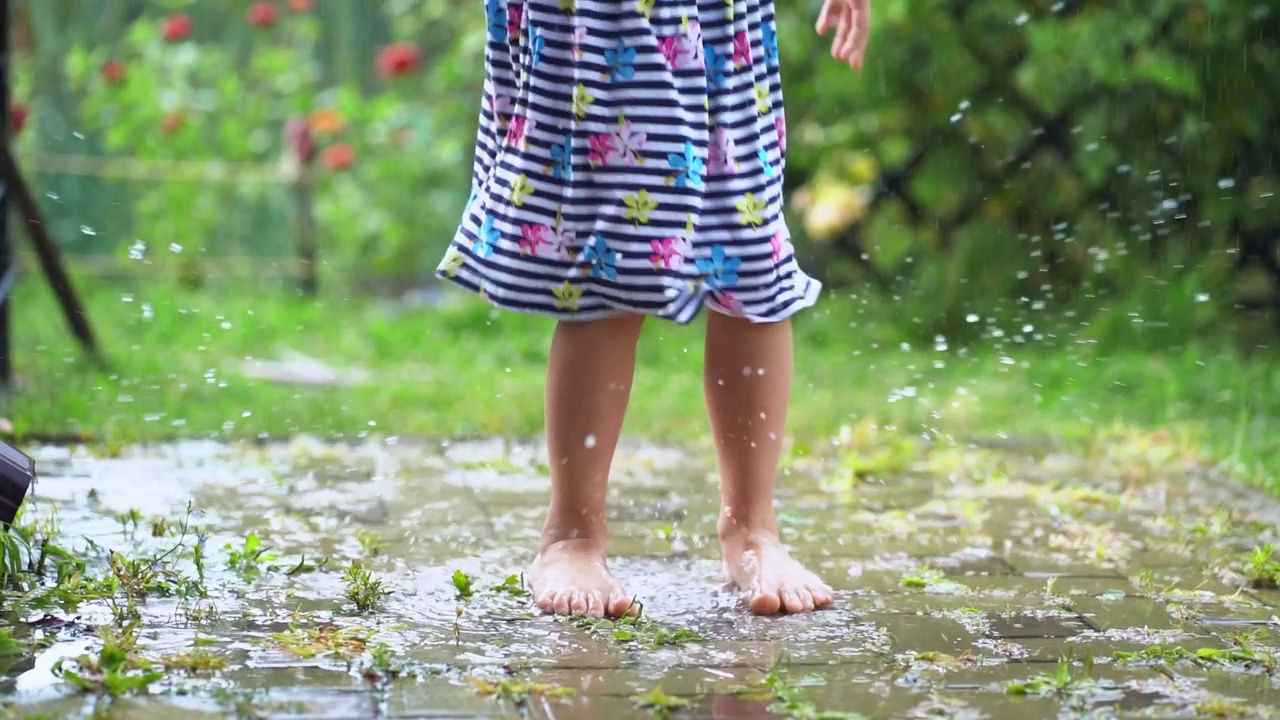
point(629, 160)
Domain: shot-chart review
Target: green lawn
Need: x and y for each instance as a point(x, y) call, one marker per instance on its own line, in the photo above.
point(176, 357)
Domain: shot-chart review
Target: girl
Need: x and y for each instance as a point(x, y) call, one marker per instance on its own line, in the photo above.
point(629, 163)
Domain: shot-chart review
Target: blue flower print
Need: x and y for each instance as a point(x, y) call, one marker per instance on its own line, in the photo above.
point(475, 192)
point(690, 166)
point(603, 260)
point(770, 41)
point(719, 270)
point(536, 47)
point(563, 156)
point(717, 64)
point(621, 61)
point(489, 235)
point(496, 17)
point(764, 162)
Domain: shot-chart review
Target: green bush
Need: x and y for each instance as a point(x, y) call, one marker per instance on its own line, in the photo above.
point(1167, 175)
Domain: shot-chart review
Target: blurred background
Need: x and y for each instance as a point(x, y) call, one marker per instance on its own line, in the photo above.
point(1047, 219)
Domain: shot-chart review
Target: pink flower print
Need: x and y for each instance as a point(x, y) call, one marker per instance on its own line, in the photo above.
point(500, 106)
point(672, 51)
point(780, 125)
point(559, 244)
point(781, 246)
point(691, 45)
point(729, 302)
point(741, 50)
point(668, 253)
point(579, 34)
point(722, 152)
point(518, 131)
point(515, 19)
point(531, 238)
point(628, 147)
point(601, 148)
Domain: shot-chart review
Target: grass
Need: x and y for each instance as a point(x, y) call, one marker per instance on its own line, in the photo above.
point(467, 370)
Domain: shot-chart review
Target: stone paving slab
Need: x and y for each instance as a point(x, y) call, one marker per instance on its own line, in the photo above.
point(959, 585)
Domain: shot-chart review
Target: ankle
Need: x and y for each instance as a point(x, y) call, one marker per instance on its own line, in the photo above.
point(579, 536)
point(742, 524)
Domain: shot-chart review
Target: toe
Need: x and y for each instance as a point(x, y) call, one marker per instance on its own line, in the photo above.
point(595, 604)
point(546, 602)
point(765, 603)
point(806, 599)
point(619, 604)
point(791, 600)
point(562, 603)
point(578, 603)
point(822, 595)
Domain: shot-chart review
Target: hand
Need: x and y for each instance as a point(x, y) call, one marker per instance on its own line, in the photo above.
point(851, 20)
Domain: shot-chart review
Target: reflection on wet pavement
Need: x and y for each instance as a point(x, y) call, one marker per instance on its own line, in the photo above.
point(382, 580)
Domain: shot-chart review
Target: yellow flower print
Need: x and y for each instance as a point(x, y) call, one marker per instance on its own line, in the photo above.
point(644, 7)
point(521, 190)
point(639, 205)
point(567, 297)
point(762, 99)
point(451, 262)
point(569, 6)
point(731, 9)
point(582, 97)
point(750, 209)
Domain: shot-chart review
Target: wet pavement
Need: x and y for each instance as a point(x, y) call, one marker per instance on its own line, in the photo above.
point(380, 579)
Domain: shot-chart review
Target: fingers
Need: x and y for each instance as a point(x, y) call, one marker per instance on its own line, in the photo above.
point(852, 22)
point(861, 34)
point(824, 18)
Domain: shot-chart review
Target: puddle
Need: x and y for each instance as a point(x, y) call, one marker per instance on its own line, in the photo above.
point(381, 579)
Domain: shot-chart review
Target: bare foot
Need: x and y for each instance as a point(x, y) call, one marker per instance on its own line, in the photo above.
point(570, 578)
point(761, 567)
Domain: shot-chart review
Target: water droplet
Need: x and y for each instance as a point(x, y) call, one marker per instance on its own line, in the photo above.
point(175, 247)
point(85, 229)
point(1022, 19)
point(1226, 183)
point(590, 441)
point(971, 318)
point(1202, 297)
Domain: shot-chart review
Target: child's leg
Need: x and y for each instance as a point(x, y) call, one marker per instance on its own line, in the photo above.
point(747, 382)
point(588, 385)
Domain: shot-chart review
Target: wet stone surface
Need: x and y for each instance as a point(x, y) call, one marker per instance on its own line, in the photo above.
point(305, 580)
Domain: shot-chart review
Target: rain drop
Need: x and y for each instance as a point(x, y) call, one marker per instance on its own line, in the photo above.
point(590, 441)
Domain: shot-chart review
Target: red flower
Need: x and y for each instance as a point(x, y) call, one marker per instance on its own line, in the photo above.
point(338, 157)
point(17, 117)
point(398, 59)
point(113, 71)
point(177, 27)
point(263, 14)
point(301, 6)
point(173, 122)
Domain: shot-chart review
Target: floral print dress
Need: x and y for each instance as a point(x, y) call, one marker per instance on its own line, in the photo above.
point(630, 160)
